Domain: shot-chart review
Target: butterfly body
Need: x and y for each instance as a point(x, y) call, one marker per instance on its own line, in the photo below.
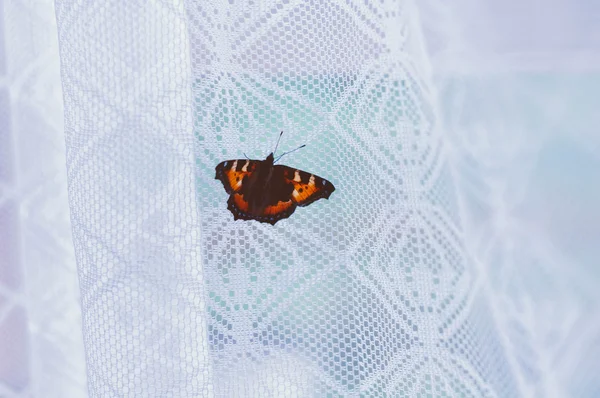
point(262, 191)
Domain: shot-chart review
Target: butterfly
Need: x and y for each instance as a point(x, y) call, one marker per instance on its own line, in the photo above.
point(262, 191)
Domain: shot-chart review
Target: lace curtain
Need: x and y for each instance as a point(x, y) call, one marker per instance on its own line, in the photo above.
point(455, 258)
point(41, 346)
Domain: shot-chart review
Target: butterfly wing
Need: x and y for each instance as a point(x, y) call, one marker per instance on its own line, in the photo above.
point(307, 187)
point(254, 196)
point(242, 183)
point(241, 210)
point(232, 173)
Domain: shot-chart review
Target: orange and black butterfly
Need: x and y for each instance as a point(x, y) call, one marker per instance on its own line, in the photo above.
point(262, 191)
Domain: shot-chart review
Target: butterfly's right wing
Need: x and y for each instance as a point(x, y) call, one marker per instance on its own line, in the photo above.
point(232, 172)
point(307, 187)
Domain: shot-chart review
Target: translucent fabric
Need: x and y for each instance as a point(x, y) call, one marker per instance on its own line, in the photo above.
point(456, 256)
point(41, 345)
point(517, 84)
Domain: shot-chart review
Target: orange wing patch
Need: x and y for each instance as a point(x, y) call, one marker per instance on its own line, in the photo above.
point(240, 209)
point(240, 203)
point(303, 192)
point(232, 173)
point(279, 208)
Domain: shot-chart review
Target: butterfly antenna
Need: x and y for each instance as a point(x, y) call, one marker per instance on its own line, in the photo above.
point(246, 156)
point(285, 153)
point(278, 139)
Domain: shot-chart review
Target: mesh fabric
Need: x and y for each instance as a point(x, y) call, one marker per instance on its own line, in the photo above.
point(370, 293)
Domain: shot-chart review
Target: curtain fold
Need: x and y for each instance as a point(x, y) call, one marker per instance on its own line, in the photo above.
point(41, 346)
point(125, 69)
point(456, 256)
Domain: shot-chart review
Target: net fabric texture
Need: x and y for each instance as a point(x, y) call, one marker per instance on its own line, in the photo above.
point(41, 346)
point(370, 293)
point(523, 148)
point(376, 291)
point(131, 189)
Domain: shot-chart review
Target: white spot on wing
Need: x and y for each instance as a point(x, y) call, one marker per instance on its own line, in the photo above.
point(234, 165)
point(311, 182)
point(297, 176)
point(245, 168)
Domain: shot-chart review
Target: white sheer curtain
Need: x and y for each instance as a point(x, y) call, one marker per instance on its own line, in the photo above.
point(457, 257)
point(41, 346)
point(517, 84)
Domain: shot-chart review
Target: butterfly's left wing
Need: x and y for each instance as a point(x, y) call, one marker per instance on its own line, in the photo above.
point(232, 172)
point(307, 187)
